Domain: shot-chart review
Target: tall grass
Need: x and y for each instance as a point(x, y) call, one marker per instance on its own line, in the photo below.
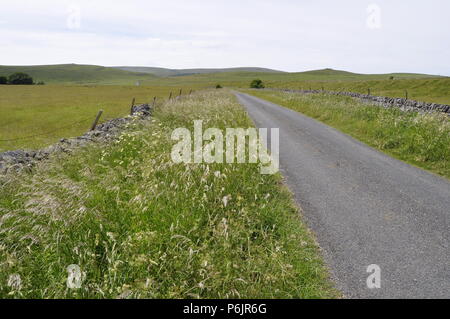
point(140, 226)
point(420, 139)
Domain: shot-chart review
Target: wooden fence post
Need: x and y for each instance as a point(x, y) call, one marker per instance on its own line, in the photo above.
point(368, 91)
point(181, 91)
point(170, 96)
point(190, 92)
point(154, 101)
point(406, 94)
point(97, 118)
point(132, 104)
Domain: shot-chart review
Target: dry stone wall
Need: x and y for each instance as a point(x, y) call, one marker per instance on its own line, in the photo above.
point(404, 104)
point(14, 161)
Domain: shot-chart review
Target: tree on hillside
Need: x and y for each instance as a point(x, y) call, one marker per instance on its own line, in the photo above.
point(3, 80)
point(20, 78)
point(257, 84)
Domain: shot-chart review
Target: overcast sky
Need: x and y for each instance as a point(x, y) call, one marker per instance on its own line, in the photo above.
point(354, 35)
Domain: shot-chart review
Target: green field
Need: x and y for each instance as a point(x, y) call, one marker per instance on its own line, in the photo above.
point(66, 107)
point(420, 87)
point(419, 139)
point(120, 213)
point(52, 112)
point(435, 90)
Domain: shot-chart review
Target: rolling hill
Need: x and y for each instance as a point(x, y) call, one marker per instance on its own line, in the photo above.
point(163, 72)
point(77, 74)
point(243, 78)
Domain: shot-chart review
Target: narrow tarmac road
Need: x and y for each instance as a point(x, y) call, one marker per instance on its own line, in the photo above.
point(364, 206)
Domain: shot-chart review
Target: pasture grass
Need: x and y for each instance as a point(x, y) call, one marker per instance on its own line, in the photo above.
point(419, 139)
point(419, 87)
point(49, 113)
point(140, 226)
point(433, 90)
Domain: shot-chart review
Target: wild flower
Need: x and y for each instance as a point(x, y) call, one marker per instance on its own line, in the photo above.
point(225, 200)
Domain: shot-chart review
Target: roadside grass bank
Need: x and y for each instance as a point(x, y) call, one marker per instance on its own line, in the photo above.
point(422, 140)
point(51, 112)
point(139, 226)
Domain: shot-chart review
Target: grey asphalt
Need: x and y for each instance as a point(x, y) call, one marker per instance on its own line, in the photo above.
point(364, 207)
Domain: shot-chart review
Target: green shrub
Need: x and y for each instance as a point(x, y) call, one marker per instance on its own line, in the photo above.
point(218, 86)
point(257, 84)
point(20, 78)
point(3, 80)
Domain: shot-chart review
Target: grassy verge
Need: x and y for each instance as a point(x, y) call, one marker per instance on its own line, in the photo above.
point(421, 140)
point(140, 226)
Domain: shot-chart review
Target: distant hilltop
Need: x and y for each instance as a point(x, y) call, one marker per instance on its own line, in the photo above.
point(163, 72)
point(129, 75)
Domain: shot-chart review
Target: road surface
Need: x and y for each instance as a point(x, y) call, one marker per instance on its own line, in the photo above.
point(364, 207)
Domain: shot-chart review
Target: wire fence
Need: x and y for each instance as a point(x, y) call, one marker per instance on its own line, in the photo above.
point(133, 103)
point(46, 133)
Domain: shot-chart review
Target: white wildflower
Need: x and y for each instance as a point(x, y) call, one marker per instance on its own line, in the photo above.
point(225, 200)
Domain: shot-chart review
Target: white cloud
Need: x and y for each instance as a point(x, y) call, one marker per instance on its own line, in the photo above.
point(289, 35)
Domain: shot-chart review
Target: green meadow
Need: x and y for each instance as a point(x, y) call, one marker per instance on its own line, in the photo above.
point(36, 116)
point(39, 115)
point(420, 87)
point(434, 90)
